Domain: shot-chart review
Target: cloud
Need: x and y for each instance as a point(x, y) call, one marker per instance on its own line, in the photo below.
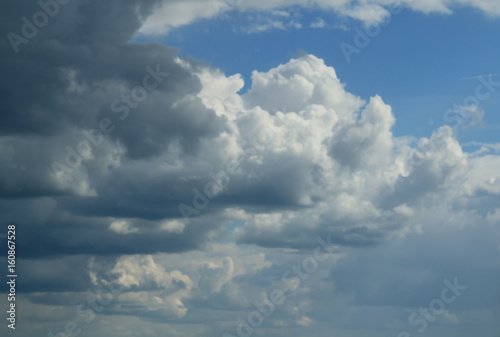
point(122, 227)
point(171, 14)
point(77, 72)
point(147, 287)
point(318, 23)
point(176, 13)
point(266, 21)
point(322, 168)
point(309, 159)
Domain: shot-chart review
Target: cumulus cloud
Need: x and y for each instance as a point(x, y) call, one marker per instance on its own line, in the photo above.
point(145, 286)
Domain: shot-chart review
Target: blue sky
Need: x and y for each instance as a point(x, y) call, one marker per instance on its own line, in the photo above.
point(220, 168)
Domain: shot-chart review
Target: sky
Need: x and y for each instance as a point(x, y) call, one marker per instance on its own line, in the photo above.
point(250, 168)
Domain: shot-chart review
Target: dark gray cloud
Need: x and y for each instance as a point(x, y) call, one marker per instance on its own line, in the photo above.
point(63, 81)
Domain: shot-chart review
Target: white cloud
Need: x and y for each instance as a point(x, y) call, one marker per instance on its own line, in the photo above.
point(318, 23)
point(150, 287)
point(304, 321)
point(330, 155)
point(175, 13)
point(262, 22)
point(173, 226)
point(450, 317)
point(122, 227)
